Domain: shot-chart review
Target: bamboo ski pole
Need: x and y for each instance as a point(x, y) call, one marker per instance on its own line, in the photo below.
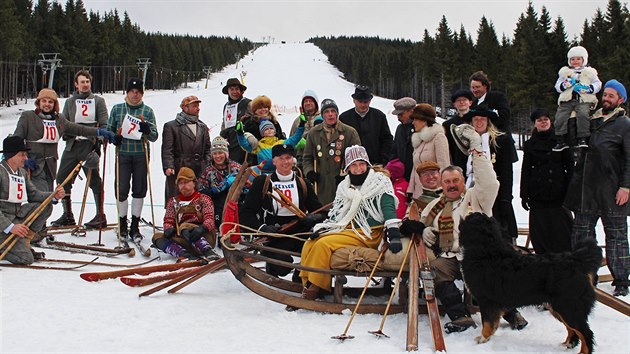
point(345, 335)
point(77, 231)
point(102, 201)
point(117, 167)
point(145, 147)
point(315, 170)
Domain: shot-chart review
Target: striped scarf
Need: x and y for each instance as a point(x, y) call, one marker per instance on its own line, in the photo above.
point(445, 222)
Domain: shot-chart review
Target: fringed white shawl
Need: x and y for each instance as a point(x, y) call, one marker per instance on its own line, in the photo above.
point(352, 204)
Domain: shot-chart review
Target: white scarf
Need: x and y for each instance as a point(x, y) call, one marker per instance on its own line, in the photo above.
point(358, 204)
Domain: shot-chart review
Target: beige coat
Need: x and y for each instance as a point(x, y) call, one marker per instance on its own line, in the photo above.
point(429, 144)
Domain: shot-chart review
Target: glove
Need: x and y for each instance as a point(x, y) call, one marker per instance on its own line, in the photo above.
point(567, 84)
point(302, 120)
point(117, 140)
point(229, 180)
point(393, 235)
point(30, 164)
point(145, 128)
point(170, 232)
point(109, 136)
point(269, 229)
point(429, 235)
point(474, 139)
point(313, 176)
point(301, 144)
point(311, 219)
point(314, 236)
point(581, 88)
point(410, 227)
point(239, 128)
point(195, 234)
point(525, 203)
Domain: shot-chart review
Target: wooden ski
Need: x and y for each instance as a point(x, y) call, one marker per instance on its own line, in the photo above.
point(96, 276)
point(427, 284)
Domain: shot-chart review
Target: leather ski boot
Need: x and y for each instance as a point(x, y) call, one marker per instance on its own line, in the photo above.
point(67, 218)
point(99, 221)
point(123, 228)
point(134, 230)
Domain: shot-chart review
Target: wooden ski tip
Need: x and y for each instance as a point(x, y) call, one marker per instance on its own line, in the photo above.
point(342, 337)
point(147, 253)
point(132, 253)
point(378, 334)
point(89, 277)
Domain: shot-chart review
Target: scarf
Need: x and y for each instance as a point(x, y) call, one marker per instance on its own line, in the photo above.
point(445, 222)
point(354, 205)
point(183, 118)
point(81, 95)
point(470, 173)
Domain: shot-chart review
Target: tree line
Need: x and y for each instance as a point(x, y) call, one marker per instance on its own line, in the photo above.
point(525, 67)
point(106, 44)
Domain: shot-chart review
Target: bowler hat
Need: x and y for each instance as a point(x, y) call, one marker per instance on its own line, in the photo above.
point(13, 143)
point(233, 82)
point(362, 93)
point(462, 93)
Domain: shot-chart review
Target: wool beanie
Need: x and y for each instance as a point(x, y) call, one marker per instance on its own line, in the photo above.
point(186, 174)
point(329, 103)
point(264, 125)
point(135, 83)
point(356, 153)
point(617, 86)
point(50, 94)
point(396, 168)
point(219, 144)
point(260, 102)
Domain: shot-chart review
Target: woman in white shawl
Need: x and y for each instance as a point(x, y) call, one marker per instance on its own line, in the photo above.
point(364, 210)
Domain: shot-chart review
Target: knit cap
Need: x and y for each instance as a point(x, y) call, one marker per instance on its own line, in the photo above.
point(219, 144)
point(329, 103)
point(264, 125)
point(617, 86)
point(356, 153)
point(396, 168)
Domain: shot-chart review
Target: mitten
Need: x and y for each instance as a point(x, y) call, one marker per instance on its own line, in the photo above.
point(393, 235)
point(313, 176)
point(30, 164)
point(109, 136)
point(239, 128)
point(409, 227)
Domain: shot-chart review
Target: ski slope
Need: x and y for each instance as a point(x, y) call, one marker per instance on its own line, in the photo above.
point(45, 311)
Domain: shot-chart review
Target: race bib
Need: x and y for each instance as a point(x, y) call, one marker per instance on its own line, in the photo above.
point(85, 111)
point(51, 133)
point(131, 128)
point(229, 115)
point(17, 189)
point(290, 190)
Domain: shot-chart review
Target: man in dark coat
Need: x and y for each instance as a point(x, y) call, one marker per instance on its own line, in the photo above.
point(402, 148)
point(263, 212)
point(233, 110)
point(601, 184)
point(371, 124)
point(185, 143)
point(461, 99)
point(485, 99)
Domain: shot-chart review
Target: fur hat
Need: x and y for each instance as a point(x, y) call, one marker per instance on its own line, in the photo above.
point(424, 111)
point(491, 115)
point(403, 104)
point(539, 112)
point(426, 166)
point(356, 153)
point(188, 100)
point(462, 93)
point(233, 82)
point(329, 103)
point(264, 125)
point(186, 174)
point(135, 83)
point(310, 94)
point(260, 102)
point(281, 149)
point(219, 144)
point(577, 51)
point(48, 93)
point(362, 93)
point(396, 168)
point(617, 86)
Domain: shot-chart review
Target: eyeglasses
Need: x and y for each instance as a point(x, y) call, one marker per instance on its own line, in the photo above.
point(429, 173)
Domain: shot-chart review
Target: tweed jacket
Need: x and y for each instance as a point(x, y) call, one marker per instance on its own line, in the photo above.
point(69, 111)
point(9, 210)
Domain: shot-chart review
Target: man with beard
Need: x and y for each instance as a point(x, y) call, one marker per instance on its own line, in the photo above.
point(233, 110)
point(308, 108)
point(185, 143)
point(601, 184)
point(87, 109)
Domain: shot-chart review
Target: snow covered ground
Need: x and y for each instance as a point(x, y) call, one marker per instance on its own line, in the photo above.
point(45, 311)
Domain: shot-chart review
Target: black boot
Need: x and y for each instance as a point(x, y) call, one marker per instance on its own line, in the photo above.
point(134, 231)
point(99, 221)
point(123, 228)
point(67, 218)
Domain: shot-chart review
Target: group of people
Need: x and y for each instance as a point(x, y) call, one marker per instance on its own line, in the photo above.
point(341, 179)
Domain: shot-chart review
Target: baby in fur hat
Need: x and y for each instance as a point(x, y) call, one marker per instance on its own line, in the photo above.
point(577, 84)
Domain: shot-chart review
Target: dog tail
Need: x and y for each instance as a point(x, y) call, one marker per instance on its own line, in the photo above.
point(588, 255)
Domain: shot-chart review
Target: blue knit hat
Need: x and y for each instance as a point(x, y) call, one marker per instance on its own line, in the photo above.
point(264, 125)
point(617, 86)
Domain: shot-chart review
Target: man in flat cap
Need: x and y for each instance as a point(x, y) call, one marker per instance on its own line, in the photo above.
point(402, 148)
point(233, 110)
point(185, 143)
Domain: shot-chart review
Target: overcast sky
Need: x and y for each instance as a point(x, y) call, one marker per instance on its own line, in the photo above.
point(298, 20)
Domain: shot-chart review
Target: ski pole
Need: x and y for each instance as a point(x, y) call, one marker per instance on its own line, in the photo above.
point(77, 231)
point(345, 335)
point(102, 201)
point(379, 331)
point(145, 147)
point(118, 189)
point(315, 170)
